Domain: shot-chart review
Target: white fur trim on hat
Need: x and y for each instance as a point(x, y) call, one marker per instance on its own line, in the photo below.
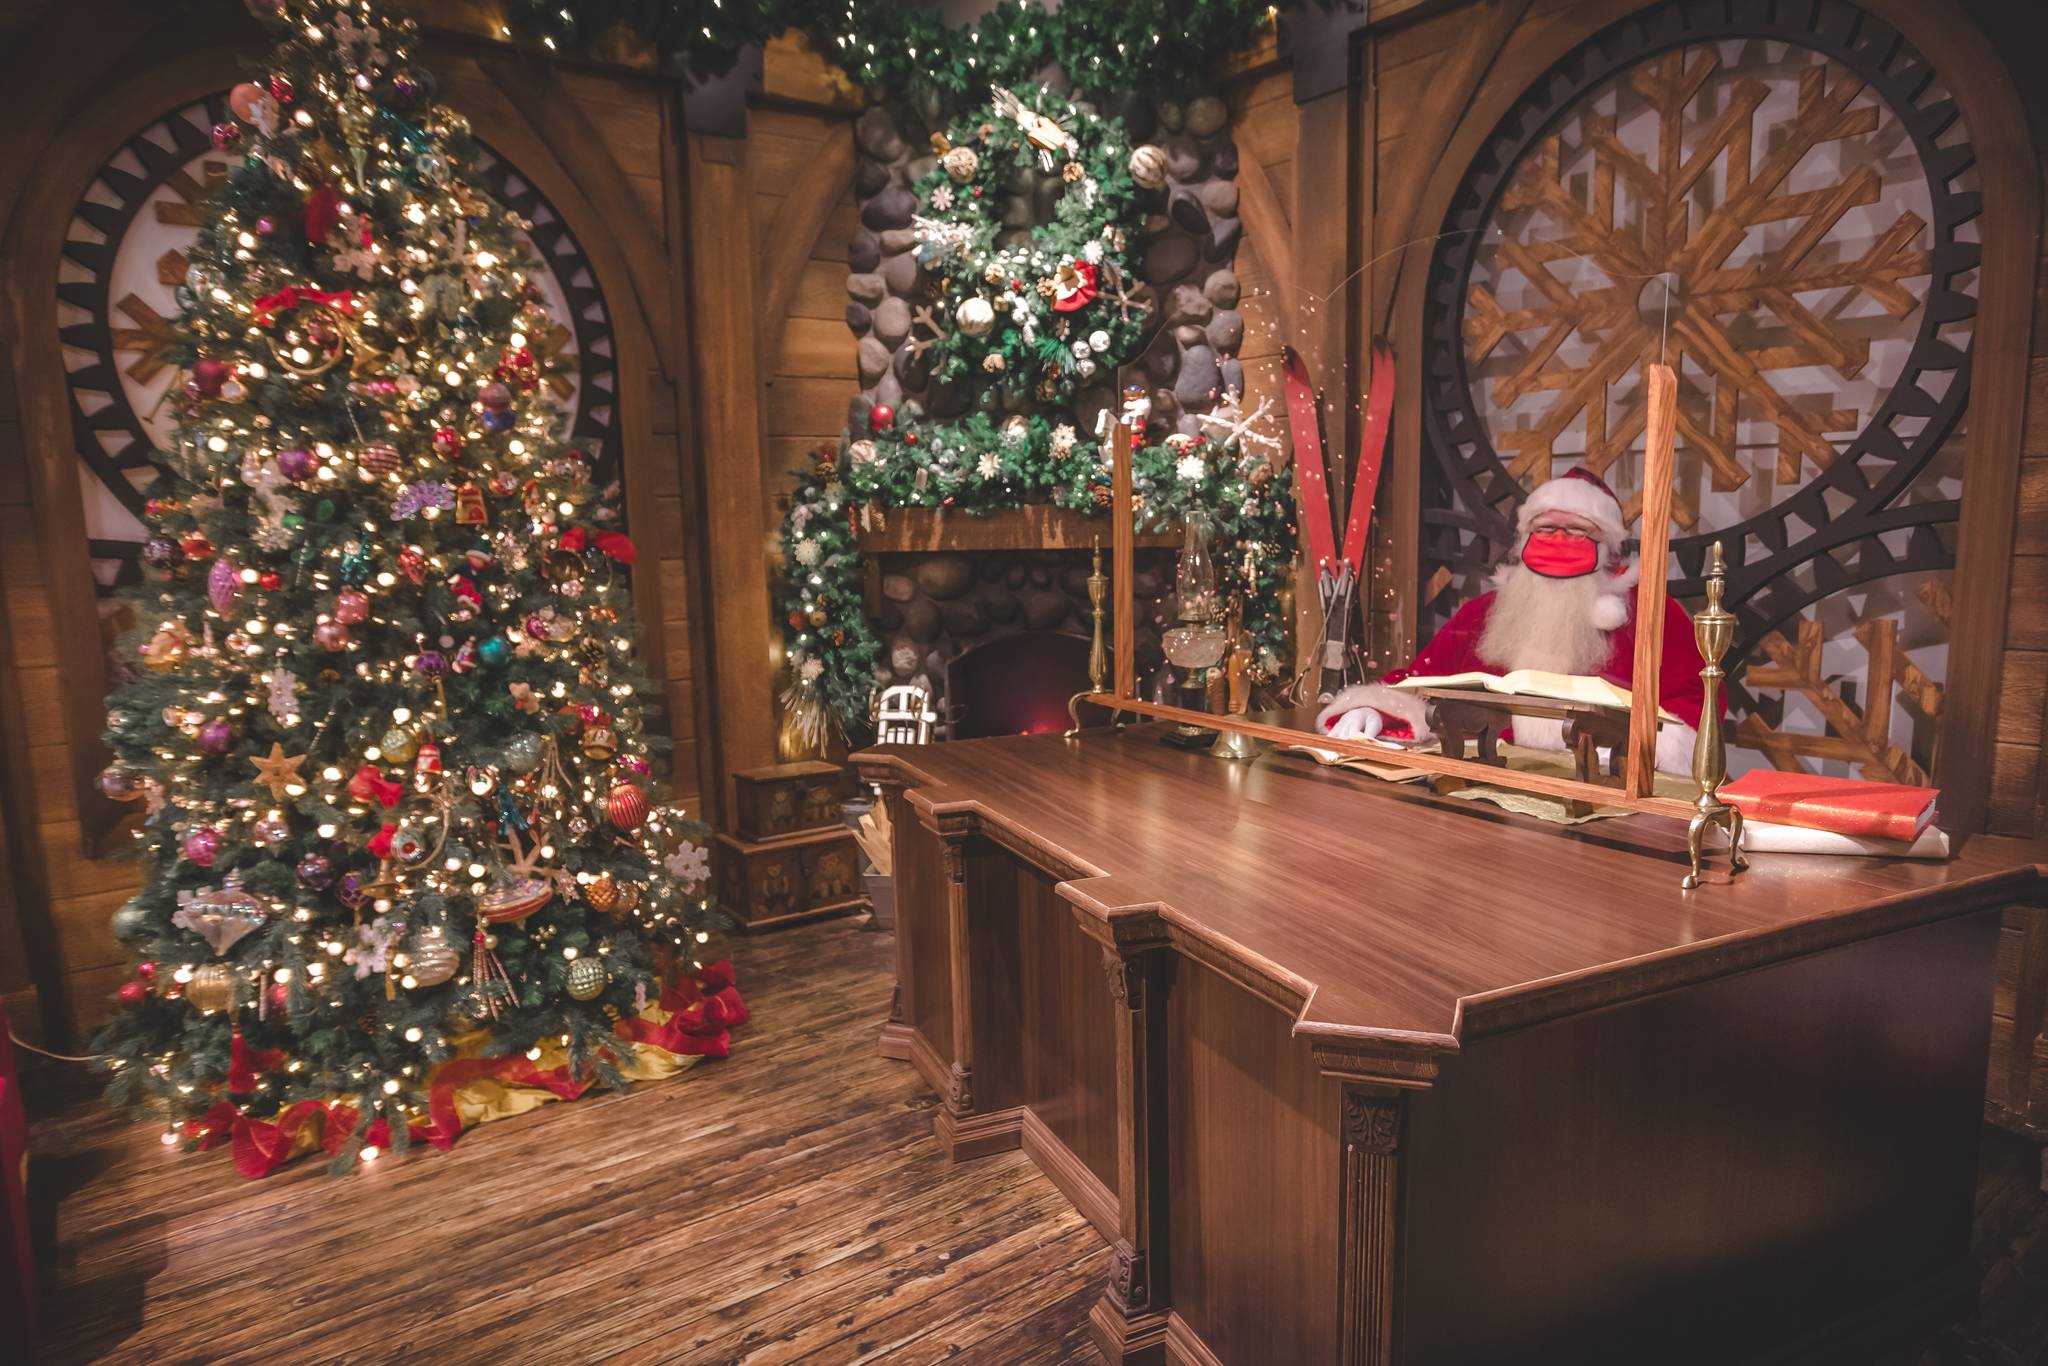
point(1583, 498)
point(1610, 609)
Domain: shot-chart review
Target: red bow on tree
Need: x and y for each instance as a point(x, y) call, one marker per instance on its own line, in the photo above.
point(291, 296)
point(368, 784)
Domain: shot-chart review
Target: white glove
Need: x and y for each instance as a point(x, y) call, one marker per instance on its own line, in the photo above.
point(1360, 723)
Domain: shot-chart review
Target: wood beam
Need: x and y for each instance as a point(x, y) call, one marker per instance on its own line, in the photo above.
point(810, 203)
point(1486, 29)
point(728, 432)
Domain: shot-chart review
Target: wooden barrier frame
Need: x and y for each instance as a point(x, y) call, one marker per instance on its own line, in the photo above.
point(1639, 774)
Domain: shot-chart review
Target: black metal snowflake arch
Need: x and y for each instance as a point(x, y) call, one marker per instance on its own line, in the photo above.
point(1668, 282)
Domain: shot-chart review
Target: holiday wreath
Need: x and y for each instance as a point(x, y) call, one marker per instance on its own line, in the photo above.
point(1027, 320)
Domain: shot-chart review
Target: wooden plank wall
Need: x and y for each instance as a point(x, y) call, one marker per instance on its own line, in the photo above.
point(813, 373)
point(2019, 778)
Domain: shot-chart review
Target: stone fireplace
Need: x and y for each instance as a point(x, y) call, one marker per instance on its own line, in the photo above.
point(1000, 632)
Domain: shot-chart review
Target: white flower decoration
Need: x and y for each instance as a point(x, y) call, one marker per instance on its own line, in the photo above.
point(1191, 468)
point(689, 863)
point(807, 553)
point(989, 466)
point(810, 669)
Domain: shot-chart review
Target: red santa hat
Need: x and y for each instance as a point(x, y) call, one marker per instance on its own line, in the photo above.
point(1582, 493)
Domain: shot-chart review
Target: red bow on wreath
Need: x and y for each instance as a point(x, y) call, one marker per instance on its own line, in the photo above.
point(380, 843)
point(1074, 287)
point(291, 296)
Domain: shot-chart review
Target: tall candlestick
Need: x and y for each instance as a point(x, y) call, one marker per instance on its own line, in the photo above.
point(1714, 629)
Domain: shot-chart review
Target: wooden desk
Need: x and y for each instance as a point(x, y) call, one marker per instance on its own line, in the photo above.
point(1347, 1072)
point(1354, 1074)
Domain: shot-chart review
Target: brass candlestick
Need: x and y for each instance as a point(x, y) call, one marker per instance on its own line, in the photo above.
point(1714, 628)
point(1098, 652)
point(1237, 673)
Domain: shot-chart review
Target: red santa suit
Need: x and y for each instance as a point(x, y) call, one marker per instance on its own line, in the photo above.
point(1379, 709)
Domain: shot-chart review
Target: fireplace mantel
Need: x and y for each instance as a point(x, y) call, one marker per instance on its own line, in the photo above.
point(1037, 526)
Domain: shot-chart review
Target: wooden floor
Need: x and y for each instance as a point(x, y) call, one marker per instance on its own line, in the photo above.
point(788, 1204)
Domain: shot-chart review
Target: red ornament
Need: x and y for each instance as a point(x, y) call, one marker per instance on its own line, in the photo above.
point(412, 562)
point(323, 214)
point(517, 366)
point(226, 135)
point(196, 546)
point(379, 459)
point(910, 438)
point(270, 580)
point(880, 416)
point(281, 89)
point(208, 375)
point(447, 442)
point(626, 806)
point(133, 993)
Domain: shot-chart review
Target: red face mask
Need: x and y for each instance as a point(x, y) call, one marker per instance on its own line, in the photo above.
point(1561, 555)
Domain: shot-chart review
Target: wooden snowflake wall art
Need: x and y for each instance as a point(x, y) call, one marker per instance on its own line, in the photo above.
point(1778, 202)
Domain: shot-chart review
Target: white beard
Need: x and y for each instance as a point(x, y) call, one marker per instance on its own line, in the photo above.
point(1544, 623)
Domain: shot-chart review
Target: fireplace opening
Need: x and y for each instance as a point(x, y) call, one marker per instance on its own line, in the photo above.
point(1017, 685)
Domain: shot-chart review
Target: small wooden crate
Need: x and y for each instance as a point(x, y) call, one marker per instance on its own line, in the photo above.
point(764, 883)
point(788, 799)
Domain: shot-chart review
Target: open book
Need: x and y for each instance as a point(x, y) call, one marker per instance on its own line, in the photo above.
point(1534, 683)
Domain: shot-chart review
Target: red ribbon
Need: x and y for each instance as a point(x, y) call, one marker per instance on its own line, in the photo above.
point(245, 1062)
point(291, 296)
point(380, 843)
point(618, 545)
point(512, 1068)
point(702, 1010)
point(572, 539)
point(368, 783)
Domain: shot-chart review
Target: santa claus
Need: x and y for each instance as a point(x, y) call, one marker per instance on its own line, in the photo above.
point(1564, 602)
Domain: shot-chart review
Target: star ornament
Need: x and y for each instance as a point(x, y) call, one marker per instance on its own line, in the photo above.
point(279, 772)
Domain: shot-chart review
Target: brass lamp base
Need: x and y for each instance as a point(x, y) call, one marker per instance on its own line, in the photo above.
point(1231, 745)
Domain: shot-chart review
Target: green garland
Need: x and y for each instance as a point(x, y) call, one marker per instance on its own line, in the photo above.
point(1036, 318)
point(1157, 49)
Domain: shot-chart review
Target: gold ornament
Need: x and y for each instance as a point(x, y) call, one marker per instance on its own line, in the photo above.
point(602, 894)
point(433, 959)
point(279, 772)
point(212, 988)
point(587, 978)
point(1148, 167)
point(399, 744)
point(308, 339)
point(165, 651)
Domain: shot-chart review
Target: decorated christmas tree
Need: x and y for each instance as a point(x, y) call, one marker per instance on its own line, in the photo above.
point(401, 799)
